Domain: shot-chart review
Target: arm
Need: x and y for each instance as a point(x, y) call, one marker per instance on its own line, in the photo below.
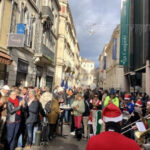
point(116, 101)
point(106, 101)
point(55, 107)
point(81, 108)
point(34, 108)
point(12, 110)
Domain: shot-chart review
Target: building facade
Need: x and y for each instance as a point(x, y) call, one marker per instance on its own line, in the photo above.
point(114, 72)
point(87, 73)
point(5, 59)
point(67, 56)
point(137, 71)
point(35, 23)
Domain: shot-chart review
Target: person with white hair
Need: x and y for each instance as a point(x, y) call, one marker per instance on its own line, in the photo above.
point(46, 96)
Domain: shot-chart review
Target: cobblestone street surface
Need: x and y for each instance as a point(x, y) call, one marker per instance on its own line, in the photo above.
point(61, 143)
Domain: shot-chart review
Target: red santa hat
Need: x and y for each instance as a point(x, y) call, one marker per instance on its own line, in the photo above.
point(138, 103)
point(127, 97)
point(112, 113)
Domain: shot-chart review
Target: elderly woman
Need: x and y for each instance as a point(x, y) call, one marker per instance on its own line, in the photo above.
point(53, 116)
point(13, 118)
point(32, 119)
point(78, 107)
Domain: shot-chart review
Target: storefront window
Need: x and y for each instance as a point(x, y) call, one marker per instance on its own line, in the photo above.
point(3, 73)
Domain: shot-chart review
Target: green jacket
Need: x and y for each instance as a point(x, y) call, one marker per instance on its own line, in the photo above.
point(114, 100)
point(81, 108)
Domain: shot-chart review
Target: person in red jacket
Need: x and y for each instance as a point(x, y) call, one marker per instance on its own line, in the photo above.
point(111, 139)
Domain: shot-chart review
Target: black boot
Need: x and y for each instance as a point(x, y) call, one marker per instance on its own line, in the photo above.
point(79, 134)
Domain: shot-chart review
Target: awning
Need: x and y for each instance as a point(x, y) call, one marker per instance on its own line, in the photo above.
point(5, 59)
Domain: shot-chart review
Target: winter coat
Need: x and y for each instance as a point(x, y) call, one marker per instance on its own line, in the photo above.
point(111, 140)
point(33, 112)
point(54, 113)
point(81, 107)
point(11, 113)
point(87, 107)
point(47, 96)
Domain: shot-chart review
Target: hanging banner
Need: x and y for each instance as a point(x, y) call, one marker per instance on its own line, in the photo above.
point(114, 51)
point(124, 32)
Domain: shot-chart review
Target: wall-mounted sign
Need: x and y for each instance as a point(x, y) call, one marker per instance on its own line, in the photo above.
point(16, 40)
point(21, 28)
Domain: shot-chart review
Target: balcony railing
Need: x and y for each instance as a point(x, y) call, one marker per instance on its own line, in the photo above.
point(47, 12)
point(47, 52)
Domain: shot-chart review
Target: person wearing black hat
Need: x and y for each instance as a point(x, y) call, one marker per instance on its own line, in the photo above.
point(112, 99)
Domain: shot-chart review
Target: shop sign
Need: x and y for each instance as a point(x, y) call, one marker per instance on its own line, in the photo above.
point(21, 28)
point(124, 35)
point(16, 40)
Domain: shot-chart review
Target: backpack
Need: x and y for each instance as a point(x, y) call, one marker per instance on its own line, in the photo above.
point(48, 106)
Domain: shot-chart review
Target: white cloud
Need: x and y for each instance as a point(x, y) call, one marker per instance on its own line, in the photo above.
point(105, 14)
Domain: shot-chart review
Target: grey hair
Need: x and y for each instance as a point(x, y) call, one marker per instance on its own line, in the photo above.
point(47, 89)
point(33, 92)
point(12, 92)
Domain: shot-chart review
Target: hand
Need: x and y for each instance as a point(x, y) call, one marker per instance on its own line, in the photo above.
point(22, 103)
point(110, 101)
point(61, 111)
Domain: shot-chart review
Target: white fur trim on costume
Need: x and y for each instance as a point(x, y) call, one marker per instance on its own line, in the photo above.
point(127, 98)
point(100, 121)
point(115, 119)
point(137, 104)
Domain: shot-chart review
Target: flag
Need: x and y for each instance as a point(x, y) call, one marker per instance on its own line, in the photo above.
point(62, 83)
point(114, 51)
point(66, 85)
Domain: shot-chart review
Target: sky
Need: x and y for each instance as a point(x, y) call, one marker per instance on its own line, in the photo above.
point(94, 21)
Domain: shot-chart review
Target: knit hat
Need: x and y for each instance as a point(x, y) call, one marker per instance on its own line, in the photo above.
point(127, 97)
point(112, 113)
point(138, 103)
point(6, 87)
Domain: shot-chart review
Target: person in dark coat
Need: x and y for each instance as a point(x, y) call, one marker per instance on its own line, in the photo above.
point(32, 119)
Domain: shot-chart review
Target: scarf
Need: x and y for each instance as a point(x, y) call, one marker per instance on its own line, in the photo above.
point(15, 102)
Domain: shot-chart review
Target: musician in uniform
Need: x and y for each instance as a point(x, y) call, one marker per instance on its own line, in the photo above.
point(134, 116)
point(111, 138)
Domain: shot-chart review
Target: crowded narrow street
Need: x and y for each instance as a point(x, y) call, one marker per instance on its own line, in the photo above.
point(68, 142)
point(74, 75)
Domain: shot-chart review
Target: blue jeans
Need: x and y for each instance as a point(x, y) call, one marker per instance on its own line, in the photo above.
point(29, 128)
point(20, 141)
point(12, 130)
point(35, 128)
point(67, 115)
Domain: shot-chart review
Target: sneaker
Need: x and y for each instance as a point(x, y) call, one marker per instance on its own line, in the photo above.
point(18, 148)
point(28, 147)
point(72, 133)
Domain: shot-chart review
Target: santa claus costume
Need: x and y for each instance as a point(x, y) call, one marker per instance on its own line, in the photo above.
point(111, 139)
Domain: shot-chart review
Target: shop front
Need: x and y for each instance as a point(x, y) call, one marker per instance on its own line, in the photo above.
point(49, 79)
point(39, 74)
point(22, 71)
point(5, 60)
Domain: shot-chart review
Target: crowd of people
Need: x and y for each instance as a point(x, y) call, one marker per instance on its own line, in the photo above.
point(24, 110)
